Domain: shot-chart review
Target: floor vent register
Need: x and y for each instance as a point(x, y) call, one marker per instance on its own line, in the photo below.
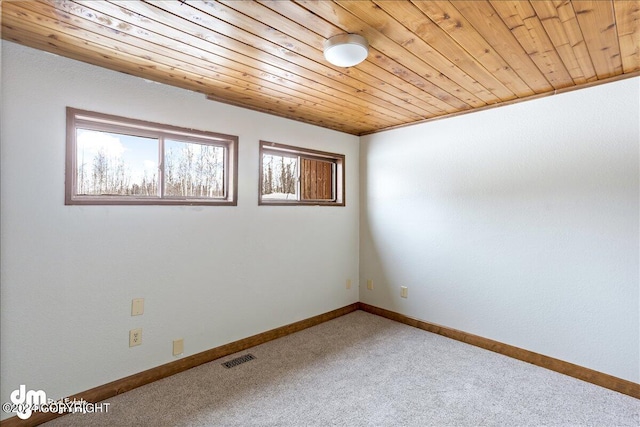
point(238, 361)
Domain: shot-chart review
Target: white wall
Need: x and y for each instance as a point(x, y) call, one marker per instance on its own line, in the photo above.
point(518, 224)
point(211, 275)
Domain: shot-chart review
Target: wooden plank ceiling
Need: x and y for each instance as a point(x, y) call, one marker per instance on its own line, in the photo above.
point(427, 59)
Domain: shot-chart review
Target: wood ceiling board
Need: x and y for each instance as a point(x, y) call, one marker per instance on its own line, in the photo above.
point(598, 26)
point(268, 69)
point(449, 19)
point(314, 42)
point(428, 31)
point(413, 94)
point(352, 76)
point(569, 20)
point(239, 88)
point(409, 42)
point(628, 28)
point(491, 27)
point(428, 59)
point(444, 87)
point(68, 45)
point(400, 76)
point(548, 15)
point(212, 53)
point(525, 25)
point(245, 43)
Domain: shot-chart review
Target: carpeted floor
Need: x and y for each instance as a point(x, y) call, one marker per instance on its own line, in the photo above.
point(364, 370)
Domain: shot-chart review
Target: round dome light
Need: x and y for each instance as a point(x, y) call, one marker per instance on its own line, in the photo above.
point(346, 50)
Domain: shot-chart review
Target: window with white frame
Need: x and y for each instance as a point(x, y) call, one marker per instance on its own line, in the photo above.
point(116, 160)
point(299, 176)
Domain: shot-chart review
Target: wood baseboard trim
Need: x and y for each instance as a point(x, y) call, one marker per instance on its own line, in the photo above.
point(585, 374)
point(131, 382)
point(122, 385)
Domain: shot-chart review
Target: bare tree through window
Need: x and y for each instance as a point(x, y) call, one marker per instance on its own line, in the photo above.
point(279, 177)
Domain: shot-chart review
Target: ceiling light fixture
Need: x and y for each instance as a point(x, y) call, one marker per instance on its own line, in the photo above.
point(346, 50)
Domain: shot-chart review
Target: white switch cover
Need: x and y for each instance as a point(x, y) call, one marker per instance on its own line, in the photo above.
point(178, 347)
point(348, 283)
point(370, 284)
point(137, 306)
point(404, 291)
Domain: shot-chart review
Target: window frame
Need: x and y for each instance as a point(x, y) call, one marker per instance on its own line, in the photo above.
point(338, 174)
point(90, 120)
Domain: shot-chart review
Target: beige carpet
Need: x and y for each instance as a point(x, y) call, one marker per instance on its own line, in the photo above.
point(364, 370)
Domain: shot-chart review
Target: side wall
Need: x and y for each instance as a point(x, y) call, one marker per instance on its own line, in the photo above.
point(210, 275)
point(518, 224)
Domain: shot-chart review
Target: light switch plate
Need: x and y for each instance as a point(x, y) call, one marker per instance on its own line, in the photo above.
point(137, 306)
point(178, 347)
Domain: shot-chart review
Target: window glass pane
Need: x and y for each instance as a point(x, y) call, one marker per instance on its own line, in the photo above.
point(279, 177)
point(116, 164)
point(193, 170)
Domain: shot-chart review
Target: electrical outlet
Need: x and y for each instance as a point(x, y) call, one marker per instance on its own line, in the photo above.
point(404, 291)
point(370, 284)
point(178, 347)
point(348, 283)
point(135, 337)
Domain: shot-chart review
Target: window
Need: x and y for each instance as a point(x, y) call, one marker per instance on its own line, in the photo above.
point(114, 160)
point(297, 176)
